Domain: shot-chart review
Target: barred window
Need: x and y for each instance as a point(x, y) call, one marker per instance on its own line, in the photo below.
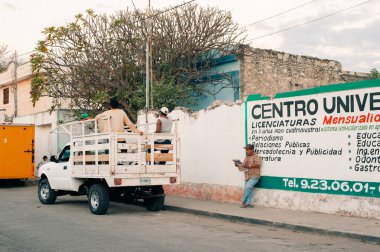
point(5, 95)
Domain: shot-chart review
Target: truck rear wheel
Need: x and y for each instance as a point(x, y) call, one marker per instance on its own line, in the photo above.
point(156, 202)
point(46, 195)
point(98, 199)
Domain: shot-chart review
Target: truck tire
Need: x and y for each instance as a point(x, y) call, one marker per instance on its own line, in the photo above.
point(98, 199)
point(155, 203)
point(46, 195)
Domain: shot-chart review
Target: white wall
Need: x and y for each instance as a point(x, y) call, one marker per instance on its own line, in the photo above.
point(41, 142)
point(211, 138)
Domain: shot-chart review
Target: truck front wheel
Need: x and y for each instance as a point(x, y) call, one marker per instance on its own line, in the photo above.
point(46, 195)
point(98, 199)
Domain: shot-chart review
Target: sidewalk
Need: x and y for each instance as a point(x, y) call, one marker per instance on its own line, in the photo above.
point(349, 227)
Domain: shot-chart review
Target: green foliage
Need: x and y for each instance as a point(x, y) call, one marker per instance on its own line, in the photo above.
point(375, 74)
point(166, 94)
point(97, 57)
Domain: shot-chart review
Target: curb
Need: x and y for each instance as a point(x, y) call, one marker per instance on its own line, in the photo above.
point(234, 218)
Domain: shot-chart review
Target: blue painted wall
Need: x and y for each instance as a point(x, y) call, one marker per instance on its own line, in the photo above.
point(227, 65)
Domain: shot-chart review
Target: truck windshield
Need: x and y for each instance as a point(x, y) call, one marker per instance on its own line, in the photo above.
point(65, 155)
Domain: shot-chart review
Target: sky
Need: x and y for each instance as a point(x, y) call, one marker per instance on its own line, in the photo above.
point(351, 37)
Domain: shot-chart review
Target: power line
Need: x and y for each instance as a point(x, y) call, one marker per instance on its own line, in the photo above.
point(279, 14)
point(159, 13)
point(134, 6)
point(143, 19)
point(172, 8)
point(7, 77)
point(164, 11)
point(308, 22)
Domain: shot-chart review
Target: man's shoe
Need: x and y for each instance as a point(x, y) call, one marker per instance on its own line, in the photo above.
point(249, 206)
point(243, 205)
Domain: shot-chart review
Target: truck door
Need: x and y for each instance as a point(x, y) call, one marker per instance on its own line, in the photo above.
point(59, 174)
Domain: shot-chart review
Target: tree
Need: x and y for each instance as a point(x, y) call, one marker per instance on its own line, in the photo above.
point(97, 57)
point(5, 58)
point(375, 74)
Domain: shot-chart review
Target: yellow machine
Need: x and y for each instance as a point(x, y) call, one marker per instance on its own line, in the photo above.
point(16, 151)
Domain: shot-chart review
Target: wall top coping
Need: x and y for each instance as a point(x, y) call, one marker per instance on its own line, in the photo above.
point(24, 71)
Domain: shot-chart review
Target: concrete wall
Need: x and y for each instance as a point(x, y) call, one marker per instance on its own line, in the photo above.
point(211, 138)
point(24, 103)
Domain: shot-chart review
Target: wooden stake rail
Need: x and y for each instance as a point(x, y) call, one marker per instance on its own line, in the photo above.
point(160, 157)
point(125, 155)
point(127, 146)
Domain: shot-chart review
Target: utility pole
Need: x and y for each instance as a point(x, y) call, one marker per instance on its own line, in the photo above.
point(147, 63)
point(148, 55)
point(15, 85)
point(150, 23)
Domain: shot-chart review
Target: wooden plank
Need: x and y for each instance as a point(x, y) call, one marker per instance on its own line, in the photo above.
point(160, 146)
point(91, 158)
point(91, 147)
point(160, 157)
point(78, 158)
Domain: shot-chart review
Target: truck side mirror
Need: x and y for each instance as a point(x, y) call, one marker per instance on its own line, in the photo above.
point(53, 159)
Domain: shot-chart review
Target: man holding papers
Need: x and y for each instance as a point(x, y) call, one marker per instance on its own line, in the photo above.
point(251, 167)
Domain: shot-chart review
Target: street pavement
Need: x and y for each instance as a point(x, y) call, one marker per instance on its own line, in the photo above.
point(328, 224)
point(68, 225)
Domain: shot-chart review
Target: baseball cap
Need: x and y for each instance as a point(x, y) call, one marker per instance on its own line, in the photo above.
point(84, 116)
point(249, 146)
point(164, 110)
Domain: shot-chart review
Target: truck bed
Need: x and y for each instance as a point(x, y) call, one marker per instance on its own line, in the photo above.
point(127, 156)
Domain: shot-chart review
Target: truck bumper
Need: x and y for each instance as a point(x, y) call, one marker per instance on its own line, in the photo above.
point(142, 181)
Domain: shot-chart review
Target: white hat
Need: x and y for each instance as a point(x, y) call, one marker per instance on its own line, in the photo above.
point(164, 110)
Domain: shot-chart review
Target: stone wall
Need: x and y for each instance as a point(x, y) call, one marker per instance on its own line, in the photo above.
point(349, 76)
point(269, 72)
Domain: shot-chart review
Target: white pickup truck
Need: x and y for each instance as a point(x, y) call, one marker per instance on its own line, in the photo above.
point(110, 165)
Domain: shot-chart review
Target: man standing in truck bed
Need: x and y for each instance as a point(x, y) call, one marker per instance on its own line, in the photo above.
point(163, 125)
point(118, 119)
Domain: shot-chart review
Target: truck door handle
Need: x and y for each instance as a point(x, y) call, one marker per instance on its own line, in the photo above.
point(65, 167)
point(28, 151)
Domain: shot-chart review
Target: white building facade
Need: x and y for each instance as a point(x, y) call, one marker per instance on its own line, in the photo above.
point(16, 107)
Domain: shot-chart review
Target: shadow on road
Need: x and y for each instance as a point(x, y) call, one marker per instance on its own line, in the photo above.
point(9, 183)
point(116, 207)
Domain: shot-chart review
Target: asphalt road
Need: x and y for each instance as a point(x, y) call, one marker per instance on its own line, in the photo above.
point(68, 225)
